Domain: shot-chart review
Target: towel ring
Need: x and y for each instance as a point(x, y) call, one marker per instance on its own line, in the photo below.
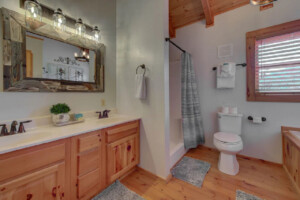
point(141, 66)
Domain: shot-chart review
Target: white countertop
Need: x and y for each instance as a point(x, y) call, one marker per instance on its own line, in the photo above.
point(50, 133)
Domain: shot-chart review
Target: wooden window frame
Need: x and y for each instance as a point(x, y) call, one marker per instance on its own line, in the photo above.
point(251, 38)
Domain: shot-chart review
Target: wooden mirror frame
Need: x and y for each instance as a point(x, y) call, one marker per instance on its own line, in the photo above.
point(14, 57)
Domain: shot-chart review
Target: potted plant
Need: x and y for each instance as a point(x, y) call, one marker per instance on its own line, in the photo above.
point(60, 113)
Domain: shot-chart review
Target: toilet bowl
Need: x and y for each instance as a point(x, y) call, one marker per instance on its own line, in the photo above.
point(229, 145)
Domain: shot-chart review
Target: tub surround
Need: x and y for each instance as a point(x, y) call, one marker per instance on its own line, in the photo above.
point(42, 131)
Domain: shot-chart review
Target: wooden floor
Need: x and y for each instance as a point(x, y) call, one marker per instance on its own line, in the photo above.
point(267, 181)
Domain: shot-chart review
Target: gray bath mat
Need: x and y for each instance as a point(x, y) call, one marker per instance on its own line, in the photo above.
point(240, 195)
point(191, 170)
point(117, 191)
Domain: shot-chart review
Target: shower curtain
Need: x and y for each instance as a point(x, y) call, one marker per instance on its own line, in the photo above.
point(192, 125)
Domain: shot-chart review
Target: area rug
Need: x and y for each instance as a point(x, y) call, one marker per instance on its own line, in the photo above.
point(117, 191)
point(191, 170)
point(240, 195)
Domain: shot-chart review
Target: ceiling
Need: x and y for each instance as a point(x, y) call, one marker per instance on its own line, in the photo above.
point(185, 12)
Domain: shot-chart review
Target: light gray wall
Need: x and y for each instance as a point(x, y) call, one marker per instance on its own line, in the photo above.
point(94, 12)
point(260, 141)
point(141, 28)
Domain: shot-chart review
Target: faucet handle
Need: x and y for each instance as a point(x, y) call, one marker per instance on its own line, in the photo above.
point(105, 113)
point(21, 127)
point(100, 114)
point(4, 130)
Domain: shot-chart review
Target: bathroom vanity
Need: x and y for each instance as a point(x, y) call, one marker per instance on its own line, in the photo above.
point(76, 164)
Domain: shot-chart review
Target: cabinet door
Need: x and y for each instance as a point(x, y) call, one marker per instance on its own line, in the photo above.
point(47, 183)
point(122, 156)
point(88, 162)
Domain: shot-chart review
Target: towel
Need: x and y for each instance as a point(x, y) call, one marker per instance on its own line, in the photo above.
point(226, 70)
point(226, 75)
point(140, 83)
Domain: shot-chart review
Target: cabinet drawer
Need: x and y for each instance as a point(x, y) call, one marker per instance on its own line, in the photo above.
point(89, 142)
point(88, 161)
point(87, 182)
point(121, 131)
point(24, 162)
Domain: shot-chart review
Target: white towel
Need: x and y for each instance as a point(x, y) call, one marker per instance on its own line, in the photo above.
point(226, 75)
point(140, 83)
point(226, 70)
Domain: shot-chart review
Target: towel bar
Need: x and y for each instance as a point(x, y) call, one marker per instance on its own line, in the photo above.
point(242, 64)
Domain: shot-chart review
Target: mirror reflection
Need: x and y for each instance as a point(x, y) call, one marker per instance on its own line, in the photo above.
point(51, 59)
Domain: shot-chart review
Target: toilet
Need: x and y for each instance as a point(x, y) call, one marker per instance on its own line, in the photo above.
point(229, 142)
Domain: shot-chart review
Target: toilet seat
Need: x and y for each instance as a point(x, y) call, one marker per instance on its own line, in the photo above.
point(227, 138)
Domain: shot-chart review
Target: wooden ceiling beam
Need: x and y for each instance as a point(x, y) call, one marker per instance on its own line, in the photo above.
point(209, 15)
point(172, 30)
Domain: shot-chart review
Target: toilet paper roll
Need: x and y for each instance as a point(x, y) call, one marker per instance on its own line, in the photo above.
point(225, 109)
point(257, 120)
point(233, 110)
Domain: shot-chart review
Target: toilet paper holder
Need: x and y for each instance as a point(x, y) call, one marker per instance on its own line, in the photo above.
point(262, 119)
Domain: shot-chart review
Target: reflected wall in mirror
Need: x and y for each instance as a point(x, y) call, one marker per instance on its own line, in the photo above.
point(44, 59)
point(51, 59)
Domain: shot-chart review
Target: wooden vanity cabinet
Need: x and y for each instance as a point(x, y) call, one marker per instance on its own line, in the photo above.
point(88, 165)
point(35, 173)
point(79, 167)
point(122, 149)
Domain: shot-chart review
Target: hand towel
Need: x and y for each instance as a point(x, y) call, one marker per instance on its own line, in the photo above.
point(226, 70)
point(226, 75)
point(140, 83)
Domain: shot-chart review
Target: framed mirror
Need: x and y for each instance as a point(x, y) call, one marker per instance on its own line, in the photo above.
point(40, 58)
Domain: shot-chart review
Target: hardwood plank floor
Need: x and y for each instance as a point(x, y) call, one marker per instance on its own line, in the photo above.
point(262, 179)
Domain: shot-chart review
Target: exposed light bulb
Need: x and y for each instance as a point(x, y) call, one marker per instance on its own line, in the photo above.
point(59, 20)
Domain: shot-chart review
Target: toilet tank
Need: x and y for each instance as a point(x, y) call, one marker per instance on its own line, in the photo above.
point(230, 123)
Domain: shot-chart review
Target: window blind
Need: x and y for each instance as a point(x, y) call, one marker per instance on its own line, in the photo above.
point(277, 64)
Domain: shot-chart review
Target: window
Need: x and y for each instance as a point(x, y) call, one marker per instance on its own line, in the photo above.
point(273, 63)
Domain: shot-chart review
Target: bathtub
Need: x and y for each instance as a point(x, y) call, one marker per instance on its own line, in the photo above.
point(176, 153)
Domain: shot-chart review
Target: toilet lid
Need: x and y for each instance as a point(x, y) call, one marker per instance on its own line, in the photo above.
point(227, 137)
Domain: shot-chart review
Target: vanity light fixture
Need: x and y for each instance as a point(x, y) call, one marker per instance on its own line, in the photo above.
point(96, 34)
point(261, 2)
point(80, 27)
point(59, 20)
point(33, 11)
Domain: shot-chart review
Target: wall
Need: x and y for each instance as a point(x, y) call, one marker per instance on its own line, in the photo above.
point(96, 12)
point(141, 28)
point(36, 47)
point(260, 141)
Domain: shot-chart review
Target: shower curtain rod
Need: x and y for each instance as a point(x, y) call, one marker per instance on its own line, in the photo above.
point(169, 40)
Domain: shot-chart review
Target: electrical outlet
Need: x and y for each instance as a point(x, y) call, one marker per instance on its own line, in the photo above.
point(102, 102)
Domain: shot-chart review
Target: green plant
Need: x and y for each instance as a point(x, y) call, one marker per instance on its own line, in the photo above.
point(60, 108)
